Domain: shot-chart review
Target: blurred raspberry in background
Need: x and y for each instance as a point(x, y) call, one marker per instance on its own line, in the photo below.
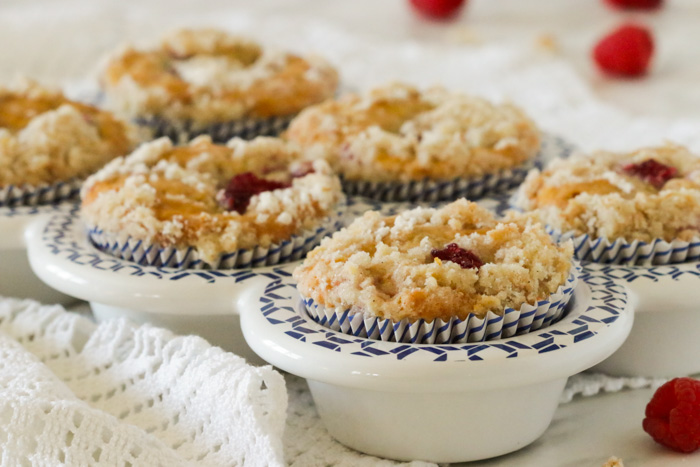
point(635, 4)
point(438, 9)
point(627, 51)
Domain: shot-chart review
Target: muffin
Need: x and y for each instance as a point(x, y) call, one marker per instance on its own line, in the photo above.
point(398, 143)
point(430, 271)
point(206, 81)
point(49, 144)
point(207, 205)
point(634, 208)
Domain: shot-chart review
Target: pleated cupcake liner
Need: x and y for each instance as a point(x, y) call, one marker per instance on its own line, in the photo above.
point(623, 252)
point(453, 331)
point(428, 190)
point(246, 128)
point(155, 254)
point(34, 195)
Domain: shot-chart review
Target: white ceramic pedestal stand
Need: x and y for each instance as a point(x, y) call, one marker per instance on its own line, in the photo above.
point(440, 403)
point(16, 276)
point(664, 340)
point(193, 301)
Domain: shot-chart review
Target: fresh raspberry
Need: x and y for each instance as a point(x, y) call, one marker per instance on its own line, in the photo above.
point(438, 9)
point(636, 4)
point(236, 196)
point(626, 51)
point(673, 415)
point(652, 172)
point(453, 252)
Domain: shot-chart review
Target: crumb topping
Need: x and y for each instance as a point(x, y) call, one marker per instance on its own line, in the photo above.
point(398, 133)
point(207, 76)
point(46, 138)
point(614, 462)
point(171, 195)
point(384, 266)
point(642, 195)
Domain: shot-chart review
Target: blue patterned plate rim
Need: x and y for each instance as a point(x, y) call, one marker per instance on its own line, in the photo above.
point(605, 301)
point(18, 211)
point(65, 236)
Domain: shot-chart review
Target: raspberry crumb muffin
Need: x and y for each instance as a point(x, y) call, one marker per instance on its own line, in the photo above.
point(429, 265)
point(49, 143)
point(620, 203)
point(208, 81)
point(209, 205)
point(395, 137)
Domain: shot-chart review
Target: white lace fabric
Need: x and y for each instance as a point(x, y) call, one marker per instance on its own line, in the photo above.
point(308, 444)
point(76, 393)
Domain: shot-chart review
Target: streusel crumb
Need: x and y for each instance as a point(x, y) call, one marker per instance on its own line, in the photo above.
point(207, 76)
point(642, 195)
point(173, 195)
point(46, 138)
point(398, 133)
point(614, 462)
point(399, 267)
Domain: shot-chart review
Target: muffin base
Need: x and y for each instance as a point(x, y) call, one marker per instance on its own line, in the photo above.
point(155, 254)
point(428, 190)
point(513, 322)
point(29, 195)
point(623, 252)
point(246, 128)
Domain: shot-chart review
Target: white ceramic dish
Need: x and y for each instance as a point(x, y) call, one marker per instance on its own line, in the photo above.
point(187, 301)
point(664, 340)
point(440, 403)
point(16, 276)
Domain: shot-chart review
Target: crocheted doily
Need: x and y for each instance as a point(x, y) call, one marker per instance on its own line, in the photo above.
point(76, 393)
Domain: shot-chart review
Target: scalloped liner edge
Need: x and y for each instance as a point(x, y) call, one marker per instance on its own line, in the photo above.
point(623, 252)
point(454, 331)
point(154, 254)
point(428, 190)
point(245, 128)
point(49, 193)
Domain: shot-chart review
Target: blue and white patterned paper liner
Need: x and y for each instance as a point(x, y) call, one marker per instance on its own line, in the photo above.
point(246, 128)
point(154, 254)
point(35, 195)
point(624, 252)
point(428, 190)
point(454, 331)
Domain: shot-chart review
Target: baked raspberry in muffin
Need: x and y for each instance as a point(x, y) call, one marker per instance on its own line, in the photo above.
point(397, 133)
point(49, 143)
point(644, 195)
point(209, 81)
point(429, 264)
point(209, 200)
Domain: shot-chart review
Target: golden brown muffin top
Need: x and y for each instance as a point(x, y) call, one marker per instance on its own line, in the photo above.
point(430, 263)
point(46, 137)
point(208, 76)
